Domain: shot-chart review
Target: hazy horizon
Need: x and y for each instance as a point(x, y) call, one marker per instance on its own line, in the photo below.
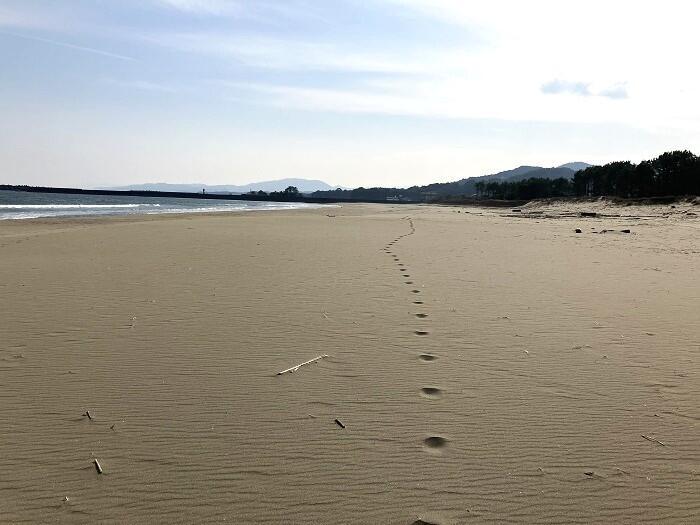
point(381, 92)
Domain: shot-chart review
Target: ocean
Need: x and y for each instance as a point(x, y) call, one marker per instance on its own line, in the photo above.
point(30, 205)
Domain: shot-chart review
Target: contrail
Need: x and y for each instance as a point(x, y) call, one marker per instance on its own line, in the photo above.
point(70, 46)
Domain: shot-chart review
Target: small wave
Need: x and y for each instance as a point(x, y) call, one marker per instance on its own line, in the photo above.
point(72, 206)
point(35, 211)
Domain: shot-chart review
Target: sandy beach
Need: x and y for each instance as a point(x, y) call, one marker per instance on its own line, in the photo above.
point(488, 366)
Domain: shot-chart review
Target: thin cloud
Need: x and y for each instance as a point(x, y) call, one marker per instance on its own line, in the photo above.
point(141, 85)
point(583, 89)
point(288, 55)
point(616, 92)
point(203, 7)
point(69, 46)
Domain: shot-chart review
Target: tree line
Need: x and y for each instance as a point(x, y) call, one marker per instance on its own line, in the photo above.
point(670, 174)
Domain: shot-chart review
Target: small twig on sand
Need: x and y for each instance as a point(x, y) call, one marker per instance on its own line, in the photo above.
point(339, 423)
point(98, 467)
point(654, 440)
point(87, 413)
point(297, 367)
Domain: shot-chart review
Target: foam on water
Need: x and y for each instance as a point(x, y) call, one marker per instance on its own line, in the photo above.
point(71, 206)
point(26, 205)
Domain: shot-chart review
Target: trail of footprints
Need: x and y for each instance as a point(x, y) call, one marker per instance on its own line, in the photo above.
point(432, 443)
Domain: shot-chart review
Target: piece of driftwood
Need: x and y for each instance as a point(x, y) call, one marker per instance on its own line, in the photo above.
point(339, 423)
point(297, 367)
point(98, 467)
point(87, 413)
point(654, 440)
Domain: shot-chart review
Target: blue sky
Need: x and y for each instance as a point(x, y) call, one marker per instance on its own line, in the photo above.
point(353, 92)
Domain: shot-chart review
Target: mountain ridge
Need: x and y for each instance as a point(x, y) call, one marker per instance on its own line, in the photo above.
point(303, 185)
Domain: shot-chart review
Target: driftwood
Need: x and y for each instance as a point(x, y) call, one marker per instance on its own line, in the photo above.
point(98, 467)
point(297, 367)
point(654, 440)
point(339, 423)
point(88, 415)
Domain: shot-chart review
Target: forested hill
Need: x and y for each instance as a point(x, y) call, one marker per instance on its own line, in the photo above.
point(465, 187)
point(675, 173)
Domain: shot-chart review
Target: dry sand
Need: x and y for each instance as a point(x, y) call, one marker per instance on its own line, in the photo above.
point(488, 366)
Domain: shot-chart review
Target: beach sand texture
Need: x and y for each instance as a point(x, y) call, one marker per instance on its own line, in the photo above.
point(488, 367)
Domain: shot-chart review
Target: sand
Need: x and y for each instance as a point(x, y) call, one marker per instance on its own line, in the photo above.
point(488, 367)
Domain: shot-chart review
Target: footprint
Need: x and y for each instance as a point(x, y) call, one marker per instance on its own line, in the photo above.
point(421, 316)
point(435, 442)
point(420, 332)
point(431, 392)
point(423, 522)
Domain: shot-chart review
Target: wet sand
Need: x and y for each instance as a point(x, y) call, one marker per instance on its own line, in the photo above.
point(488, 366)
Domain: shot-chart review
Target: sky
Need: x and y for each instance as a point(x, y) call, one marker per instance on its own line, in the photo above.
point(353, 92)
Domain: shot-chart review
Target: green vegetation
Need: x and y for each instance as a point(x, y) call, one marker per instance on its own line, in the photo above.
point(533, 188)
point(672, 174)
point(290, 192)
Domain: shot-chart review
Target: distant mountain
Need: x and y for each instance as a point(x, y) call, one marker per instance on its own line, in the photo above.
point(468, 186)
point(576, 166)
point(506, 175)
point(303, 185)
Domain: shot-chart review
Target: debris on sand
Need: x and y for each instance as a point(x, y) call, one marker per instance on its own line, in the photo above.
point(339, 423)
point(654, 440)
point(297, 367)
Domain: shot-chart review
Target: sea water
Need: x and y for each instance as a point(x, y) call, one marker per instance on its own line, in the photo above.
point(30, 205)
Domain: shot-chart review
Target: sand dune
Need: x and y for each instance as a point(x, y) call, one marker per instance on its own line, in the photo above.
point(487, 367)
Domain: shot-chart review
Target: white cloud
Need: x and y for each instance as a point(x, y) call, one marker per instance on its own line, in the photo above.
point(633, 58)
point(583, 89)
